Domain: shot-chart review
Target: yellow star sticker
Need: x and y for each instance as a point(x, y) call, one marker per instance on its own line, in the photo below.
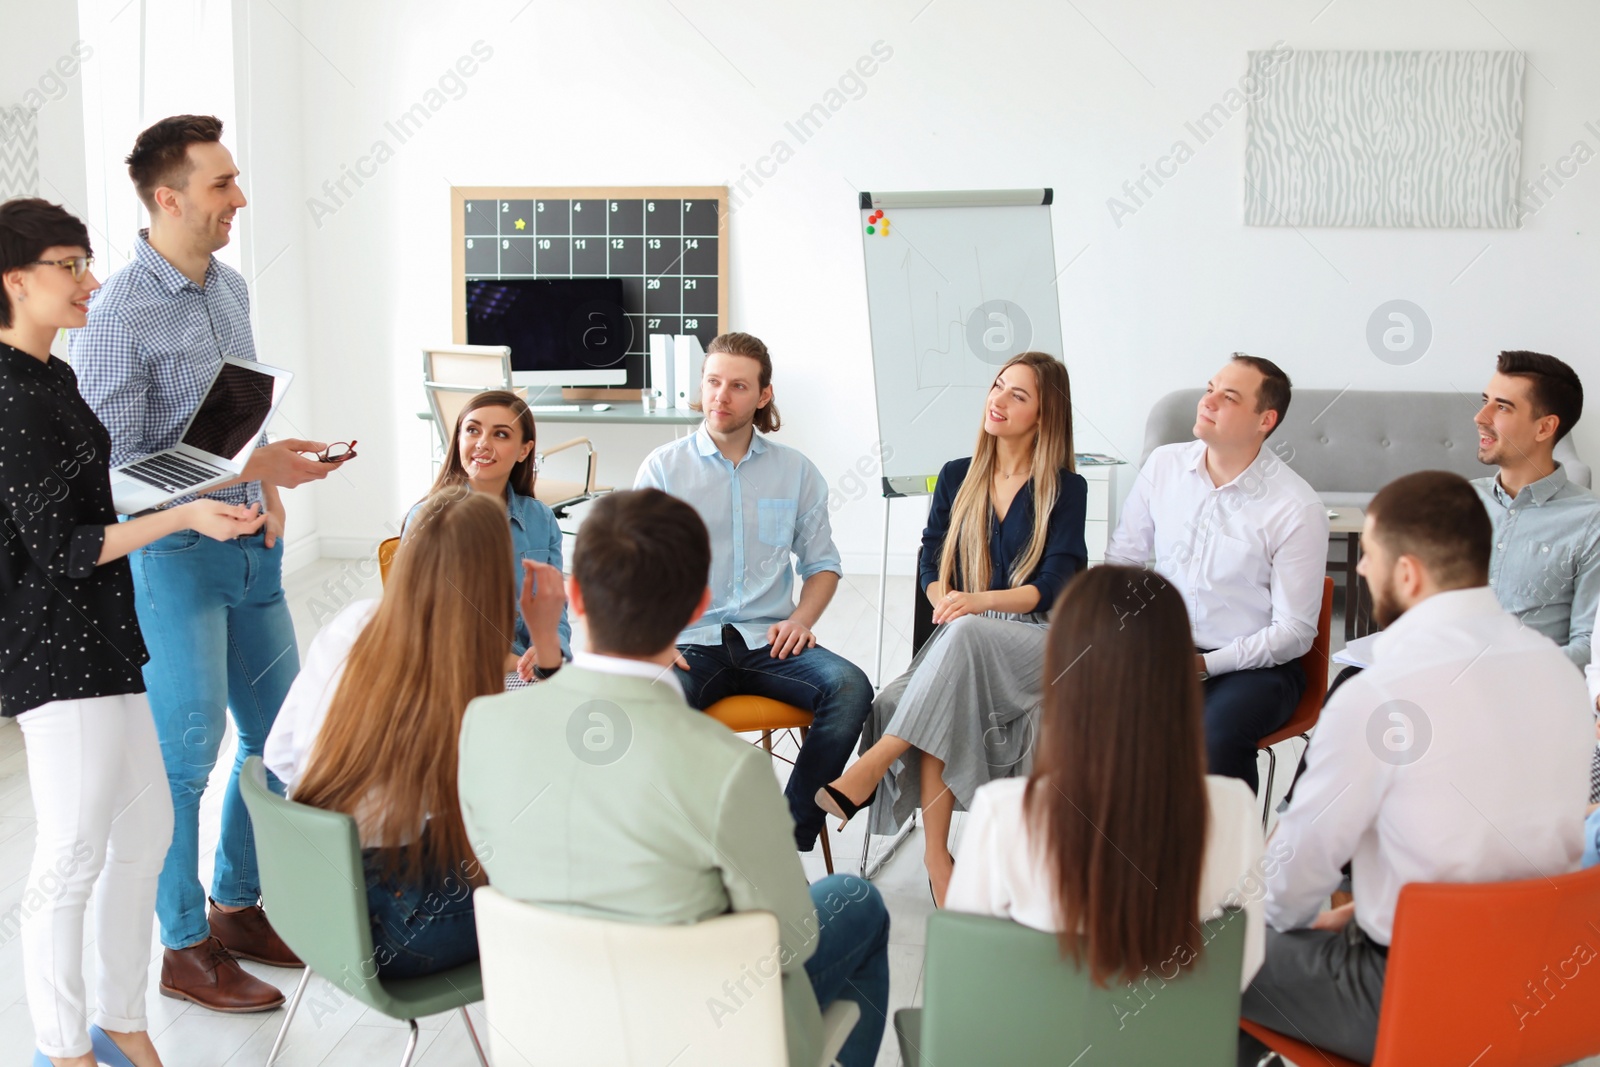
point(521, 224)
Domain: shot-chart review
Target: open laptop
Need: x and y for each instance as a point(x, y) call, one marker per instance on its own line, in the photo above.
point(215, 442)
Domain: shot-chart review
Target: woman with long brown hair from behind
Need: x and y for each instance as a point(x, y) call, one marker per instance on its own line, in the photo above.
point(1004, 534)
point(370, 725)
point(1118, 840)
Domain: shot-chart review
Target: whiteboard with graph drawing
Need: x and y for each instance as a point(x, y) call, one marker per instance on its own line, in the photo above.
point(957, 284)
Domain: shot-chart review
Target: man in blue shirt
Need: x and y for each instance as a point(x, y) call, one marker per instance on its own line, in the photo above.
point(763, 503)
point(1545, 568)
point(213, 612)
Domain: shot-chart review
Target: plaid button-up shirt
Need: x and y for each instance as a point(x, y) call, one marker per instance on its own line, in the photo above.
point(153, 343)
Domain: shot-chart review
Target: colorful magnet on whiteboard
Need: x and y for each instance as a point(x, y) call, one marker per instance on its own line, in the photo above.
point(871, 230)
point(932, 481)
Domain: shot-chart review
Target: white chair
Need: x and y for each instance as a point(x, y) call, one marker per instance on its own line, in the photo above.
point(480, 366)
point(563, 989)
point(445, 403)
point(452, 375)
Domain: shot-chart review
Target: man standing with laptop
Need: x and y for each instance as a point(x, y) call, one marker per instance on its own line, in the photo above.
point(213, 613)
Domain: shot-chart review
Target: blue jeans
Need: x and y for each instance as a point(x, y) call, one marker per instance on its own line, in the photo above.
point(1242, 707)
point(1591, 839)
point(218, 629)
point(833, 689)
point(852, 959)
point(418, 929)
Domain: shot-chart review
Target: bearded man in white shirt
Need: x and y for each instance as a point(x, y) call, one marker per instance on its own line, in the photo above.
point(1244, 539)
point(1416, 772)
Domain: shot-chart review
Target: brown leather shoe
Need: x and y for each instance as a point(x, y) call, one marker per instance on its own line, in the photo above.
point(248, 935)
point(208, 976)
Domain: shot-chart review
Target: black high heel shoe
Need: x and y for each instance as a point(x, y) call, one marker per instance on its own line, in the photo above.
point(838, 805)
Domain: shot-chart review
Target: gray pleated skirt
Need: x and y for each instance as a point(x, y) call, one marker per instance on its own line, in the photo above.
point(970, 698)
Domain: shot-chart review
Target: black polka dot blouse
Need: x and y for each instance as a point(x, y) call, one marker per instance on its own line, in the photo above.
point(67, 627)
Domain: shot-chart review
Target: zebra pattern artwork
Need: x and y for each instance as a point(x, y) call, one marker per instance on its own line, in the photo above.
point(1395, 139)
point(19, 152)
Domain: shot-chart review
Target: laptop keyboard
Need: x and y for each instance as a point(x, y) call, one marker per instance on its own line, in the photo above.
point(172, 472)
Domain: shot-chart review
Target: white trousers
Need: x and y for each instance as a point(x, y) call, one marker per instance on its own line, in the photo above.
point(104, 816)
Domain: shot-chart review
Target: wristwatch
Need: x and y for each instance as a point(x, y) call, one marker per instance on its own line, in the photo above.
point(1204, 674)
point(540, 674)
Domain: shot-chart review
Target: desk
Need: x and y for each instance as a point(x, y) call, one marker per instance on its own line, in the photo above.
point(1346, 522)
point(633, 414)
point(619, 414)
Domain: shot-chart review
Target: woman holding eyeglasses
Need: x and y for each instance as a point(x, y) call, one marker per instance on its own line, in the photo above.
point(70, 658)
point(493, 453)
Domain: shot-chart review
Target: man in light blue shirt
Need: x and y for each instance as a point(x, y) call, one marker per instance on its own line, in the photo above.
point(763, 503)
point(1545, 567)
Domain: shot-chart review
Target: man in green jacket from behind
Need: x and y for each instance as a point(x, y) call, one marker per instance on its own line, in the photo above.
point(602, 793)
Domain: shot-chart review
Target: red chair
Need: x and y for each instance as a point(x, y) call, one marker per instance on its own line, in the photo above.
point(1315, 664)
point(1501, 974)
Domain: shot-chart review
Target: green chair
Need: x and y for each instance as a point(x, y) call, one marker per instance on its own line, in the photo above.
point(998, 992)
point(314, 887)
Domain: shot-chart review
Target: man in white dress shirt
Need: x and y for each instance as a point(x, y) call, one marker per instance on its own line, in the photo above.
point(1245, 540)
point(1419, 770)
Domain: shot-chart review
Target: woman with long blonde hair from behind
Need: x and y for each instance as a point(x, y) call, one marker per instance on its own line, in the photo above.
point(370, 726)
point(1004, 535)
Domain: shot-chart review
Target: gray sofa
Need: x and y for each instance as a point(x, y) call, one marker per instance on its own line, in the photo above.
point(1348, 444)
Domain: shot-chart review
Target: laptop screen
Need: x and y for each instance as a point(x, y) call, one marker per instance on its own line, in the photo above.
point(234, 411)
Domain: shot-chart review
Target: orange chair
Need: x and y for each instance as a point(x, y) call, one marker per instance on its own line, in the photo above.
point(752, 714)
point(1315, 664)
point(386, 550)
point(1502, 974)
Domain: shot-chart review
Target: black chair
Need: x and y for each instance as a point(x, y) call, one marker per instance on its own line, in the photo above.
point(921, 612)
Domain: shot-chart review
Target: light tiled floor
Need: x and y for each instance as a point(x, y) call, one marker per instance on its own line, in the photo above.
point(330, 1029)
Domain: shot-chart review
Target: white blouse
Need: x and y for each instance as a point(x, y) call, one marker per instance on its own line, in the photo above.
point(288, 747)
point(999, 871)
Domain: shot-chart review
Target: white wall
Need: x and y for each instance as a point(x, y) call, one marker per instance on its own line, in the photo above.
point(40, 66)
point(273, 246)
point(234, 59)
point(976, 95)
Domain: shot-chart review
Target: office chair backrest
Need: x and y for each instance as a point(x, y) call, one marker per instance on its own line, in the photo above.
point(446, 402)
point(1494, 974)
point(386, 550)
point(566, 989)
point(995, 991)
point(480, 370)
point(313, 885)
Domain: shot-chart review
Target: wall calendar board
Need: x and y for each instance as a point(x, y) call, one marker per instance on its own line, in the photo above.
point(668, 245)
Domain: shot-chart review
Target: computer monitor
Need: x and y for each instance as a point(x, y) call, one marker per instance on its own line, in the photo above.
point(561, 331)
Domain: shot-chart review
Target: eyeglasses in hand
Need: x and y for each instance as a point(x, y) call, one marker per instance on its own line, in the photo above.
point(338, 452)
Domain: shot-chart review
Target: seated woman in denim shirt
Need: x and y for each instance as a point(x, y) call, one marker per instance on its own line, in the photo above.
point(493, 454)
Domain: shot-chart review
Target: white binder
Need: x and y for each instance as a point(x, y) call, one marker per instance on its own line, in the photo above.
point(661, 370)
point(688, 359)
